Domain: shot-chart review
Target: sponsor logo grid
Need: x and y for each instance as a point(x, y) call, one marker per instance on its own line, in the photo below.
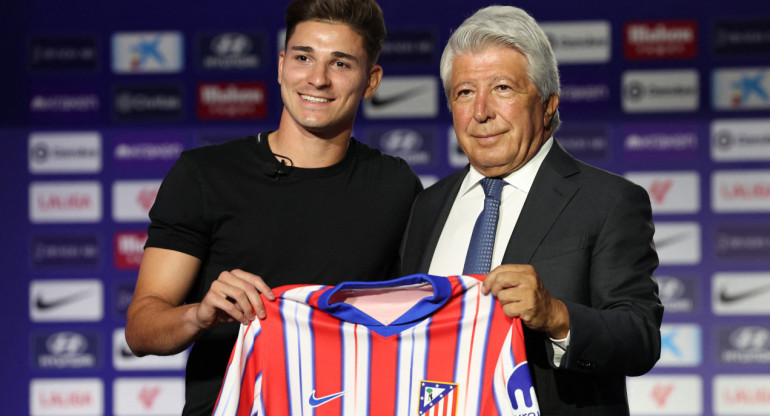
point(708, 179)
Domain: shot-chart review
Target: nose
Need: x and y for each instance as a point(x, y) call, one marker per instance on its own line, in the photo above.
point(483, 108)
point(319, 76)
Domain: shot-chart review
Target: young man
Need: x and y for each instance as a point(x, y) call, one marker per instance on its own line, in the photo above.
point(572, 253)
point(303, 204)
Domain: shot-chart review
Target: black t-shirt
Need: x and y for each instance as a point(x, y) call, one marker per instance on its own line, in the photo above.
point(224, 205)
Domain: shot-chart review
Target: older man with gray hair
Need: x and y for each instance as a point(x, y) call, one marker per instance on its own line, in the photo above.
point(565, 246)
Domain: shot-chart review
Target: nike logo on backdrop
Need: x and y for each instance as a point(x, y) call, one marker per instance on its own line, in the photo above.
point(671, 240)
point(317, 401)
point(379, 101)
point(726, 297)
point(44, 304)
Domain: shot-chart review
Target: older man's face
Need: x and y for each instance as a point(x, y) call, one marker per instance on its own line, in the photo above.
point(500, 120)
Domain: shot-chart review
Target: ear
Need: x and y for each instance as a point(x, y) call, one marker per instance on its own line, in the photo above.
point(550, 109)
point(375, 76)
point(280, 65)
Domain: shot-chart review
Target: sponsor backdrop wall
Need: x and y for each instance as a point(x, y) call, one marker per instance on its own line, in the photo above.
point(99, 98)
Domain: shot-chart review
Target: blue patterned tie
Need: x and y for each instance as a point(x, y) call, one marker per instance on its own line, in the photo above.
point(479, 257)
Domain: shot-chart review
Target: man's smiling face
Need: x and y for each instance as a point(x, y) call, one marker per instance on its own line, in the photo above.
point(323, 75)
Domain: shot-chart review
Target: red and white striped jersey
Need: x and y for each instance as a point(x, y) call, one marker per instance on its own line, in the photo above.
point(453, 352)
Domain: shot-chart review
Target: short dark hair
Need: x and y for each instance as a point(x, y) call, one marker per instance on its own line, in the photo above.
point(363, 16)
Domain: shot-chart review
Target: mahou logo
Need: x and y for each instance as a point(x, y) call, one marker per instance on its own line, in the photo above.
point(232, 100)
point(129, 248)
point(661, 40)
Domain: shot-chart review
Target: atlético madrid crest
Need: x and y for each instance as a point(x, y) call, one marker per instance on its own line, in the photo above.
point(437, 398)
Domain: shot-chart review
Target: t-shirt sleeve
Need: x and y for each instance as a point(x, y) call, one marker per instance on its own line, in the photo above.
point(178, 216)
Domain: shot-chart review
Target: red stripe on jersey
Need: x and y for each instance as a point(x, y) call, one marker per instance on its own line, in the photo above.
point(517, 342)
point(382, 388)
point(442, 343)
point(498, 331)
point(327, 357)
point(273, 345)
point(473, 338)
point(251, 371)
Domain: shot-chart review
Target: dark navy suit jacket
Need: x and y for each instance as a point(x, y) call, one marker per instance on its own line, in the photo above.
point(589, 235)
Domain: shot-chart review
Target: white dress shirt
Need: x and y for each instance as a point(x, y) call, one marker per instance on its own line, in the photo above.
point(452, 246)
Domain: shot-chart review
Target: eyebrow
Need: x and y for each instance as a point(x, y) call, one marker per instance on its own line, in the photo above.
point(341, 55)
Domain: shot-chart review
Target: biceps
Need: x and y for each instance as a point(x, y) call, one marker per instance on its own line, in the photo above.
point(166, 274)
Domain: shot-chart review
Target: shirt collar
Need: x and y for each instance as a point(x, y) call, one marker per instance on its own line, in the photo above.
point(521, 179)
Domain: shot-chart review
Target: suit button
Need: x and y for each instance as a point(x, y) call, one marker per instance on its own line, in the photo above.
point(585, 364)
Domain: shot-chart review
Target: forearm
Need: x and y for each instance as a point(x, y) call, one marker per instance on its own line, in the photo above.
point(156, 327)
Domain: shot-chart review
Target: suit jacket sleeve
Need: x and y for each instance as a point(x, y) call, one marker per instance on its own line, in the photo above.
point(615, 325)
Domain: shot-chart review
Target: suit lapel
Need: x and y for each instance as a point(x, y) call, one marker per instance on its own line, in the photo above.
point(550, 193)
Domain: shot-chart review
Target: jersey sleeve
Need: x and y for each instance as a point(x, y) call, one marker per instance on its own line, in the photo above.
point(178, 217)
point(241, 390)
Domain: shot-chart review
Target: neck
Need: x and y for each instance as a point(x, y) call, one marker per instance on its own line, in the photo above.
point(307, 149)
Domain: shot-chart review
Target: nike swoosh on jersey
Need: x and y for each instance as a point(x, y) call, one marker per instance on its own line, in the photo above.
point(317, 401)
point(735, 297)
point(44, 304)
point(379, 101)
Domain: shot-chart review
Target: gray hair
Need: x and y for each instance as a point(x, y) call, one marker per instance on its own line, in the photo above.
point(510, 27)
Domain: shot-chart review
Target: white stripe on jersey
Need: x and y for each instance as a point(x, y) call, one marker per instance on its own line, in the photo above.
point(259, 404)
point(505, 365)
point(298, 341)
point(232, 382)
point(363, 365)
point(412, 364)
point(476, 310)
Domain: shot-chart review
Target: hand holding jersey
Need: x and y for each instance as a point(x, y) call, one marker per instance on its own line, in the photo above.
point(520, 291)
point(234, 296)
